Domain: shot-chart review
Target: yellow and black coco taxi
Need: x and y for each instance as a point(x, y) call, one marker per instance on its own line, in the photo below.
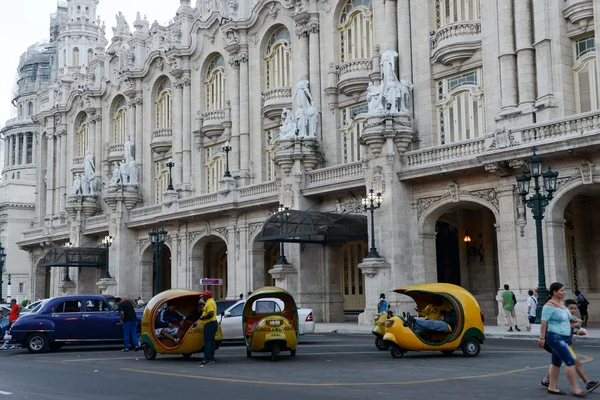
point(271, 324)
point(460, 313)
point(379, 330)
point(192, 334)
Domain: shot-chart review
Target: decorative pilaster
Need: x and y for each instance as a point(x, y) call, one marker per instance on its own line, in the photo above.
point(187, 132)
point(178, 133)
point(244, 116)
point(508, 66)
point(234, 90)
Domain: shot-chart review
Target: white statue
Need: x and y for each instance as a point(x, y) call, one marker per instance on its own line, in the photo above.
point(406, 87)
point(374, 98)
point(313, 116)
point(133, 173)
point(116, 178)
point(388, 68)
point(76, 188)
point(124, 168)
point(301, 121)
point(85, 185)
point(392, 95)
point(302, 94)
point(127, 149)
point(122, 25)
point(288, 126)
point(89, 168)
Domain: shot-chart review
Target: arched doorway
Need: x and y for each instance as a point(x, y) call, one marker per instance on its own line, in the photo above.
point(272, 253)
point(352, 278)
point(460, 247)
point(164, 270)
point(209, 260)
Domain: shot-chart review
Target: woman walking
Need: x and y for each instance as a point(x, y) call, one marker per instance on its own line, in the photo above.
point(555, 332)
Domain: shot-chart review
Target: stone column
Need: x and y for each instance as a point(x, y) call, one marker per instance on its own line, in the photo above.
point(391, 24)
point(130, 119)
point(464, 218)
point(508, 66)
point(231, 264)
point(315, 70)
point(597, 30)
point(176, 150)
point(583, 244)
point(525, 53)
point(244, 117)
point(187, 133)
point(145, 279)
point(139, 137)
point(50, 177)
point(24, 150)
point(301, 57)
point(98, 151)
point(543, 60)
point(405, 37)
point(34, 148)
point(257, 274)
point(234, 95)
point(7, 147)
point(380, 34)
point(41, 167)
point(64, 172)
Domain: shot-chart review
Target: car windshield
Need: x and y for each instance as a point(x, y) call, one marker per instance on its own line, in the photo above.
point(38, 307)
point(223, 305)
point(112, 303)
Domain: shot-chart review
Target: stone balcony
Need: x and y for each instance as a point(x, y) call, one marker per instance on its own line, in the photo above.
point(161, 140)
point(116, 152)
point(333, 179)
point(214, 121)
point(504, 146)
point(275, 100)
point(354, 76)
point(456, 42)
point(580, 15)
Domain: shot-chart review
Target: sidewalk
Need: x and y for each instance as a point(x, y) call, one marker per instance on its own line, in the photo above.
point(491, 331)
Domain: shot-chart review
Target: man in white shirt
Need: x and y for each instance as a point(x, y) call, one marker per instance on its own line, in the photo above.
point(532, 303)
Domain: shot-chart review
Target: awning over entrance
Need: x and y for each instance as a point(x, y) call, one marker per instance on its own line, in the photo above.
point(75, 257)
point(293, 226)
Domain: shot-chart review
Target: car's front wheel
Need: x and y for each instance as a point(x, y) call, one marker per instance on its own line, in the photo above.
point(37, 343)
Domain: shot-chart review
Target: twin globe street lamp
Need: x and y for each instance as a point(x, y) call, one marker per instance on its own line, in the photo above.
point(67, 278)
point(2, 260)
point(282, 260)
point(157, 239)
point(538, 202)
point(371, 203)
point(107, 242)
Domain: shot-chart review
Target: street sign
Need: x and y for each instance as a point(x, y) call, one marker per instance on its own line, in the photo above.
point(211, 282)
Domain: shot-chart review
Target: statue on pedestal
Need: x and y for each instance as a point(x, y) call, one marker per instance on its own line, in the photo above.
point(313, 116)
point(89, 176)
point(374, 98)
point(85, 185)
point(76, 188)
point(301, 121)
point(116, 178)
point(302, 95)
point(288, 126)
point(406, 87)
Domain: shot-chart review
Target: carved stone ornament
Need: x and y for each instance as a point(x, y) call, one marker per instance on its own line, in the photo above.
point(587, 172)
point(454, 193)
point(287, 198)
point(501, 139)
point(230, 36)
point(348, 205)
point(221, 231)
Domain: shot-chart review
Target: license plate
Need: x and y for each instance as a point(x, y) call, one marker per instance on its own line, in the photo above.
point(7, 337)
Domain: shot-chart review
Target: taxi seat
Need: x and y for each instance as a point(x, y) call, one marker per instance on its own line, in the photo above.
point(251, 323)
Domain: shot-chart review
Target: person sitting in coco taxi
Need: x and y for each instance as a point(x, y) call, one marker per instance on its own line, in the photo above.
point(434, 310)
point(444, 324)
point(170, 332)
point(167, 314)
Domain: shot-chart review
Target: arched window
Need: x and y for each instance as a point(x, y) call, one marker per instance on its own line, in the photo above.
point(586, 84)
point(163, 105)
point(278, 59)
point(460, 107)
point(356, 30)
point(350, 130)
point(30, 108)
point(90, 55)
point(120, 121)
point(83, 138)
point(214, 166)
point(75, 57)
point(215, 84)
point(271, 144)
point(450, 11)
point(161, 181)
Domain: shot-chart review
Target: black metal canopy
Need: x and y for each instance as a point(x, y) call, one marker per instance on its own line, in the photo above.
point(75, 257)
point(294, 226)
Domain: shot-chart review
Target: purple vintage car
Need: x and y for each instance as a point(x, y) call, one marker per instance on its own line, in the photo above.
point(66, 319)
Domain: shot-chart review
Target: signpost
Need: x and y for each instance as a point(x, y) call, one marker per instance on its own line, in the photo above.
point(211, 282)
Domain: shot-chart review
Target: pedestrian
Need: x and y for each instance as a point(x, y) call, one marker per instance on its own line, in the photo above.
point(532, 303)
point(582, 304)
point(509, 300)
point(209, 317)
point(241, 296)
point(555, 332)
point(140, 302)
point(382, 306)
point(129, 320)
point(15, 311)
point(578, 331)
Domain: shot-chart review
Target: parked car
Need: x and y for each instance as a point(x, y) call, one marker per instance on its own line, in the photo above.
point(67, 319)
point(231, 318)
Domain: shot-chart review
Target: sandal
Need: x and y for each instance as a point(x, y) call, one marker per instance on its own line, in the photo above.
point(560, 392)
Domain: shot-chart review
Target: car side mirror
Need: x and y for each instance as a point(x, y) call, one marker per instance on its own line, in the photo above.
point(226, 314)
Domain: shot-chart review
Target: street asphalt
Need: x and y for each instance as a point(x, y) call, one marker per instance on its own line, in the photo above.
point(327, 366)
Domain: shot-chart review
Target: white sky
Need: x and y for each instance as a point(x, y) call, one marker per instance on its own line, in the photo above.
point(25, 22)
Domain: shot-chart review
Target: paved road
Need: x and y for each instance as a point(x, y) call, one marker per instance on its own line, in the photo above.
point(331, 366)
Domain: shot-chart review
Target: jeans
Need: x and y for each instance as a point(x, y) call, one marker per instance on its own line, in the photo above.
point(210, 331)
point(130, 328)
point(431, 325)
point(560, 349)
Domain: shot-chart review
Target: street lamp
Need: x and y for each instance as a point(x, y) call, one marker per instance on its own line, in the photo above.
point(226, 148)
point(371, 203)
point(157, 239)
point(170, 164)
point(2, 260)
point(107, 242)
point(538, 202)
point(9, 288)
point(282, 260)
point(67, 278)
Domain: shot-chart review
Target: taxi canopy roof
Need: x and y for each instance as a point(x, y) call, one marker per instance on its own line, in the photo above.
point(271, 292)
point(425, 292)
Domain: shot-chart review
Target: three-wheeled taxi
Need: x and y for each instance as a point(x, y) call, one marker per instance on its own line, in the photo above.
point(459, 311)
point(270, 326)
point(192, 340)
point(379, 330)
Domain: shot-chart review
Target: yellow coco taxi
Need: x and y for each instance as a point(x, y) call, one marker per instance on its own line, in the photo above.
point(270, 329)
point(192, 333)
point(459, 325)
point(379, 331)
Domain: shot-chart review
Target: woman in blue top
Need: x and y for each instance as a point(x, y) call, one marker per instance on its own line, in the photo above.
point(555, 332)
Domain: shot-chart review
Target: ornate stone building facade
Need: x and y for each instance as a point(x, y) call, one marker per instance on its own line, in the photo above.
point(435, 104)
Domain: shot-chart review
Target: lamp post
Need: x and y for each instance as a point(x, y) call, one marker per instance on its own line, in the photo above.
point(282, 260)
point(157, 239)
point(170, 164)
point(67, 278)
point(226, 148)
point(107, 242)
point(9, 289)
point(2, 260)
point(371, 203)
point(538, 202)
